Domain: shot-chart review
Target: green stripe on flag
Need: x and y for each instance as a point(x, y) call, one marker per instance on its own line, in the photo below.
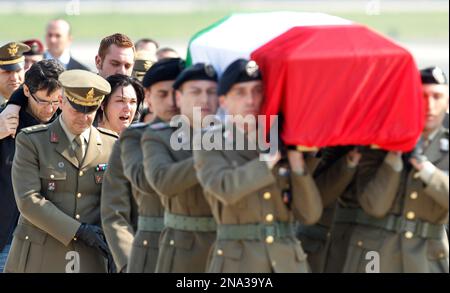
point(198, 34)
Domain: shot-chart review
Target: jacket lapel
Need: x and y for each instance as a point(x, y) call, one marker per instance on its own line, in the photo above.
point(93, 149)
point(58, 136)
point(433, 151)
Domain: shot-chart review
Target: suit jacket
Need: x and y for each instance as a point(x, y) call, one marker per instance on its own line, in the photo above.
point(74, 64)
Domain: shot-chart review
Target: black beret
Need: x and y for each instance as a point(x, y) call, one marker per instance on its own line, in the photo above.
point(199, 71)
point(240, 70)
point(432, 75)
point(165, 69)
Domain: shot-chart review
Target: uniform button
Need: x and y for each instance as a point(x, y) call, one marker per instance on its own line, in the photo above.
point(359, 243)
point(219, 252)
point(26, 237)
point(267, 195)
point(77, 216)
point(416, 175)
point(269, 218)
point(52, 176)
point(269, 239)
point(81, 173)
point(145, 242)
point(328, 234)
point(171, 242)
point(410, 215)
point(274, 263)
point(79, 195)
point(74, 238)
point(441, 255)
point(409, 235)
point(414, 195)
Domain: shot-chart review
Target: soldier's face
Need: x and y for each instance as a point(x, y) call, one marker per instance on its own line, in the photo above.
point(10, 81)
point(58, 37)
point(77, 122)
point(42, 105)
point(436, 95)
point(161, 100)
point(244, 98)
point(197, 93)
point(118, 60)
point(121, 108)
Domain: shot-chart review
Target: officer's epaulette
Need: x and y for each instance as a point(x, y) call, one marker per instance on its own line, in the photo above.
point(159, 126)
point(138, 125)
point(108, 132)
point(35, 128)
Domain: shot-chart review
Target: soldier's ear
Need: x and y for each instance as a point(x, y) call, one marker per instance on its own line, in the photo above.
point(178, 95)
point(98, 63)
point(26, 91)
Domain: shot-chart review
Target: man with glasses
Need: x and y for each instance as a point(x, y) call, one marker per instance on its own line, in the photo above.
point(41, 89)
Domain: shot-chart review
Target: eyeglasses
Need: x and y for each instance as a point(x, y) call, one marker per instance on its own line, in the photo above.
point(44, 103)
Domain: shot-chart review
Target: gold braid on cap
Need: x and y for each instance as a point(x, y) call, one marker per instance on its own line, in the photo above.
point(88, 100)
point(14, 61)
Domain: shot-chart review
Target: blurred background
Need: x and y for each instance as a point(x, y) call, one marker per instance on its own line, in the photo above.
point(422, 26)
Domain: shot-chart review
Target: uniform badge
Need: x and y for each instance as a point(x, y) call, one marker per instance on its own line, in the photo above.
point(443, 144)
point(101, 167)
point(12, 50)
point(98, 179)
point(51, 186)
point(287, 197)
point(147, 64)
point(61, 164)
point(90, 94)
point(209, 70)
point(438, 75)
point(54, 137)
point(252, 68)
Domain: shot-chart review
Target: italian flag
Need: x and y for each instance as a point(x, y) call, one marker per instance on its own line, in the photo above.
point(335, 82)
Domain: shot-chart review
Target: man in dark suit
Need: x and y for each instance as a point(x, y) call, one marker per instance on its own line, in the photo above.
point(59, 38)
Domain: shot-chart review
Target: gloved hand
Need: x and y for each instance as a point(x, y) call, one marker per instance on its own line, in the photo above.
point(93, 236)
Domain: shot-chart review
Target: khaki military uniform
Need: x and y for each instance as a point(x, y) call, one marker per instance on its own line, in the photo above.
point(190, 229)
point(55, 195)
point(316, 238)
point(250, 204)
point(399, 215)
point(118, 210)
point(145, 247)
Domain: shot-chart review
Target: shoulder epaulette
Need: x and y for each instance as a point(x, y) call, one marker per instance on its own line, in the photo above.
point(35, 128)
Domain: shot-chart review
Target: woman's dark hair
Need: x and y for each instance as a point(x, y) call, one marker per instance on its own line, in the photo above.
point(116, 81)
point(43, 75)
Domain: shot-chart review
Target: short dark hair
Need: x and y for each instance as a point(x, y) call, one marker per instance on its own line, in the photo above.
point(146, 40)
point(43, 75)
point(116, 81)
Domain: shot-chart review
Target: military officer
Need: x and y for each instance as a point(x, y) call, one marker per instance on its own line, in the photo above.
point(401, 212)
point(158, 83)
point(142, 62)
point(42, 89)
point(59, 200)
point(254, 202)
point(12, 71)
point(189, 227)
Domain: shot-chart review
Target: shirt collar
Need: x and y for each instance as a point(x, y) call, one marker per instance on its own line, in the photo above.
point(85, 134)
point(64, 58)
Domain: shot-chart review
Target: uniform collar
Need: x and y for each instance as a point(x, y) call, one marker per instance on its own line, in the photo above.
point(70, 136)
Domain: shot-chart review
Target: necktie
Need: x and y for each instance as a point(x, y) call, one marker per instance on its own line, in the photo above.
point(79, 149)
